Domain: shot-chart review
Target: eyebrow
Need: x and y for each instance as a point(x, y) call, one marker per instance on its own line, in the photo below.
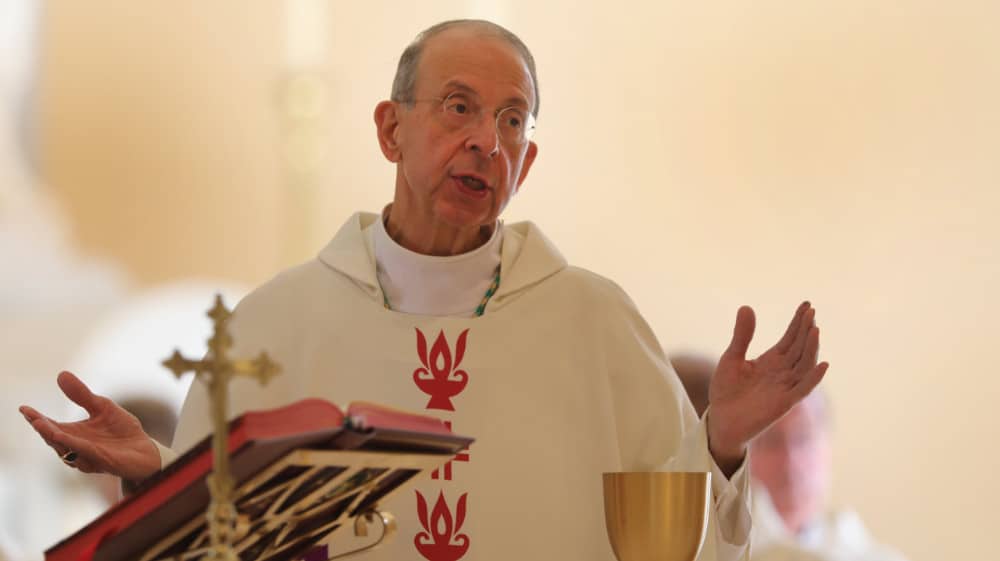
point(463, 87)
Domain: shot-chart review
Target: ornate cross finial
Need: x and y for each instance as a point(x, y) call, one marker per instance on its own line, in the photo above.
point(215, 370)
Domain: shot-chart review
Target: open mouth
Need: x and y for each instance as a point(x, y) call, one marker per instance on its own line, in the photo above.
point(472, 183)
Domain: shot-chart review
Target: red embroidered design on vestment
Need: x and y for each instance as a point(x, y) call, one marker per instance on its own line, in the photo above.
point(438, 377)
point(441, 540)
point(441, 378)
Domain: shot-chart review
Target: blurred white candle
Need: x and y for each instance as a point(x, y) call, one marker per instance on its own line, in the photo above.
point(306, 33)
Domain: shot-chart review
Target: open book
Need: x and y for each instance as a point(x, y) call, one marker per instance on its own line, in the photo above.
point(302, 472)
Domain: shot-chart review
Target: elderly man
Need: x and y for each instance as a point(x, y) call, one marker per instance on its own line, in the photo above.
point(436, 305)
point(790, 462)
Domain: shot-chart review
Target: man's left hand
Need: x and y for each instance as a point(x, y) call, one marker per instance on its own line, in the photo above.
point(746, 396)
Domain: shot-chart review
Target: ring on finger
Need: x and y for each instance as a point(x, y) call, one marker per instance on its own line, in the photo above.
point(69, 458)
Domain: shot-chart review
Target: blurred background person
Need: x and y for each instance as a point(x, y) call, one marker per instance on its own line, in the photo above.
point(790, 465)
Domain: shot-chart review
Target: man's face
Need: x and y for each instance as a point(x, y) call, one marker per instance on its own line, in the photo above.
point(462, 176)
point(791, 460)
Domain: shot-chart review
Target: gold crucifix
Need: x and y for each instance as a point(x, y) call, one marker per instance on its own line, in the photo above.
point(216, 370)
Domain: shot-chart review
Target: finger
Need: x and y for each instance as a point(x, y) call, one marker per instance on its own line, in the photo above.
point(80, 462)
point(79, 393)
point(742, 334)
point(810, 354)
point(87, 453)
point(809, 382)
point(85, 466)
point(795, 351)
point(44, 426)
point(61, 442)
point(793, 328)
point(30, 413)
point(47, 429)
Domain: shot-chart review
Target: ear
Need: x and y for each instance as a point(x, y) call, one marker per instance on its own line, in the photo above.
point(387, 129)
point(529, 158)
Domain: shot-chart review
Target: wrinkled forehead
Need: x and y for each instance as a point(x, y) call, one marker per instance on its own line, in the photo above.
point(482, 62)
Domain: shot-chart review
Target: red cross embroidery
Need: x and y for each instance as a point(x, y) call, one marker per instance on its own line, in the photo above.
point(460, 457)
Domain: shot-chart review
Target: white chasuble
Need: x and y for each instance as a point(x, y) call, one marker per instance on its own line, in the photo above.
point(559, 381)
point(835, 535)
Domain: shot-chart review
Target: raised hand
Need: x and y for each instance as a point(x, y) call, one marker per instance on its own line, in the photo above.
point(746, 396)
point(111, 440)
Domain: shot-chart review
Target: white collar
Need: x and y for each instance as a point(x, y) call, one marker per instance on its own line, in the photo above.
point(429, 285)
point(527, 257)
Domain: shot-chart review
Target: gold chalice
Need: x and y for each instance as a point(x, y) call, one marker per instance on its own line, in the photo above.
point(657, 515)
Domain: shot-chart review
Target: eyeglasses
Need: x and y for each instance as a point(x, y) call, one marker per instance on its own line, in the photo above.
point(459, 111)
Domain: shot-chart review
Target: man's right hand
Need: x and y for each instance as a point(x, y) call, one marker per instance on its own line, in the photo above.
point(110, 440)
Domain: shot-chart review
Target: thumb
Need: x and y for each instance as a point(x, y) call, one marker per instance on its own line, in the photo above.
point(78, 392)
point(742, 334)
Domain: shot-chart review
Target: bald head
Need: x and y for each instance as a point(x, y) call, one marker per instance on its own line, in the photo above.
point(405, 82)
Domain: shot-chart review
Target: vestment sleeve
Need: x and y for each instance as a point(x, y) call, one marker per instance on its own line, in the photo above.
point(658, 429)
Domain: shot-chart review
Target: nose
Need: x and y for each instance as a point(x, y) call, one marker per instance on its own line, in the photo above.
point(484, 137)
